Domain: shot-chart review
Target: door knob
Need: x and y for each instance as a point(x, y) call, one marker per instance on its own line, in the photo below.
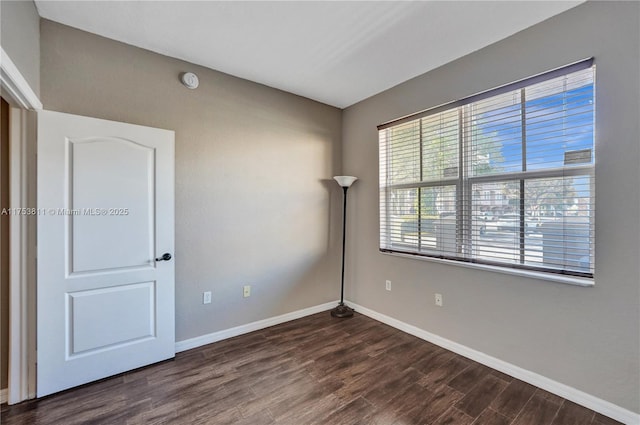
point(165, 257)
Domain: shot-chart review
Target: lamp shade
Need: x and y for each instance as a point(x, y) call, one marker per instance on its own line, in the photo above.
point(345, 181)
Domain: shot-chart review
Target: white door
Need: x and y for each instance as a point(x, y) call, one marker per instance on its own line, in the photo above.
point(105, 301)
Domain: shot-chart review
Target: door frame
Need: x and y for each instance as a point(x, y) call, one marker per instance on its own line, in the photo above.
point(22, 331)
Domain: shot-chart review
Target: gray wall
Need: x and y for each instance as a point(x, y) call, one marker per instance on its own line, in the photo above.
point(20, 38)
point(253, 203)
point(587, 338)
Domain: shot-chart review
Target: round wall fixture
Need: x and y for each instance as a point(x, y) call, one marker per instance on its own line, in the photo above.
point(190, 80)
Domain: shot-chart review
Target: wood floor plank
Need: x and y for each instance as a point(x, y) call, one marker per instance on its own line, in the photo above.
point(445, 373)
point(454, 416)
point(399, 400)
point(502, 376)
point(548, 396)
point(537, 411)
point(311, 411)
point(410, 352)
point(432, 363)
point(514, 397)
point(599, 419)
point(315, 370)
point(431, 408)
point(383, 345)
point(357, 411)
point(376, 377)
point(469, 377)
point(480, 396)
point(573, 414)
point(491, 417)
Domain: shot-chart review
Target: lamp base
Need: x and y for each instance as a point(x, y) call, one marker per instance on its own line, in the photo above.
point(342, 311)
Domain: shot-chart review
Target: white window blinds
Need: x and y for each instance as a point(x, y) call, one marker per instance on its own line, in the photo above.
point(503, 178)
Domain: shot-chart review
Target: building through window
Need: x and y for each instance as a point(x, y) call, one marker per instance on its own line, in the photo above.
point(502, 178)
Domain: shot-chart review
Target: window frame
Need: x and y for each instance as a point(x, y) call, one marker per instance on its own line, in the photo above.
point(465, 181)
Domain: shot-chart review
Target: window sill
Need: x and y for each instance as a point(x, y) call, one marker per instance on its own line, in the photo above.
point(551, 277)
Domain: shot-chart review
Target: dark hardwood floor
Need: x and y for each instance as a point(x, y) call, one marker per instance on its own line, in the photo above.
point(315, 370)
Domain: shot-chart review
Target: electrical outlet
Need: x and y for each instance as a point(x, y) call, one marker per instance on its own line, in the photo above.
point(206, 297)
point(438, 298)
point(387, 285)
point(246, 291)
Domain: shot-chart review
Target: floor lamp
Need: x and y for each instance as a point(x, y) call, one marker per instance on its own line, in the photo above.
point(345, 181)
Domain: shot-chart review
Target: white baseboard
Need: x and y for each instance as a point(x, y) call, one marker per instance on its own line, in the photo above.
point(591, 402)
point(199, 341)
point(3, 395)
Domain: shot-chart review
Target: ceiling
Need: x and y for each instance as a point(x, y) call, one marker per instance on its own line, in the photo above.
point(335, 52)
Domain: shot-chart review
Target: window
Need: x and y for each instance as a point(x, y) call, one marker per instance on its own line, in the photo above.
point(504, 178)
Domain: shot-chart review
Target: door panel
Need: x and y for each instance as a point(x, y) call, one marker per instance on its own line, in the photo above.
point(95, 318)
point(129, 209)
point(105, 212)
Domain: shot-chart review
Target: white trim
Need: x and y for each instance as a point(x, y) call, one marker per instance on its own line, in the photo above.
point(15, 86)
point(199, 341)
point(17, 91)
point(591, 402)
point(17, 266)
point(550, 277)
point(3, 395)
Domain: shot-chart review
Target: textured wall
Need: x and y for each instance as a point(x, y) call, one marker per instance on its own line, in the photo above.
point(253, 200)
point(587, 338)
point(20, 38)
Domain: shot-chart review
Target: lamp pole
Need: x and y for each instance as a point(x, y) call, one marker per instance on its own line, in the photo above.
point(345, 182)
